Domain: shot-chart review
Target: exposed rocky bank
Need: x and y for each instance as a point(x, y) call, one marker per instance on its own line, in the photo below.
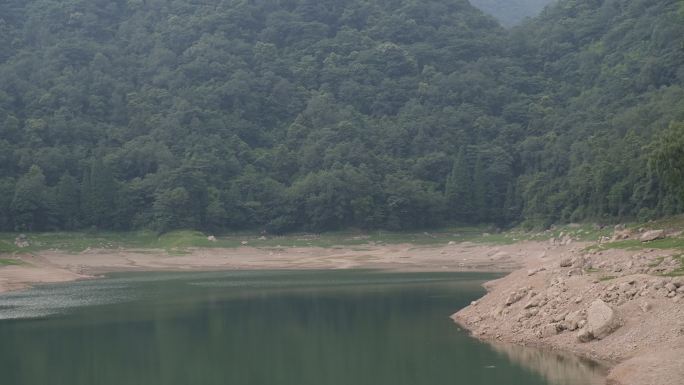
point(615, 306)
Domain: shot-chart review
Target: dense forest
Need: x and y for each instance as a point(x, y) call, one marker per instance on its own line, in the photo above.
point(284, 115)
point(511, 12)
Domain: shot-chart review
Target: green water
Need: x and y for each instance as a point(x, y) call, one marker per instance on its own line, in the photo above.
point(262, 328)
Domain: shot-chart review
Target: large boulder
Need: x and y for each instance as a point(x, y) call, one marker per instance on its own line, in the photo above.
point(601, 321)
point(652, 235)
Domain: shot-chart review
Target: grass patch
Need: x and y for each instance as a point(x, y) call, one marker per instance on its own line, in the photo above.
point(585, 232)
point(592, 270)
point(634, 244)
point(678, 272)
point(10, 262)
point(178, 242)
point(81, 241)
point(657, 262)
point(607, 278)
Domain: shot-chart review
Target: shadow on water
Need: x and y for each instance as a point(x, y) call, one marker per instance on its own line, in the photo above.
point(262, 328)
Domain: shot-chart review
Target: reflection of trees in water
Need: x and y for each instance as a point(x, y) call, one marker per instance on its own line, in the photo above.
point(556, 368)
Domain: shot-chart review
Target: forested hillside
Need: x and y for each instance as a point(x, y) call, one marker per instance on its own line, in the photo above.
point(325, 114)
point(511, 12)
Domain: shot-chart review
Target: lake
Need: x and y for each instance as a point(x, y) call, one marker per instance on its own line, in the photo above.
point(263, 328)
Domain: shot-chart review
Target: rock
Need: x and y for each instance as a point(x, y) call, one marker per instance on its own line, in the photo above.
point(532, 272)
point(584, 335)
point(621, 235)
point(515, 296)
point(547, 331)
point(680, 289)
point(262, 238)
point(670, 287)
point(573, 319)
point(652, 235)
point(474, 303)
point(498, 312)
point(566, 262)
point(534, 302)
point(601, 319)
point(451, 243)
point(244, 243)
point(211, 238)
point(559, 317)
point(22, 241)
point(645, 306)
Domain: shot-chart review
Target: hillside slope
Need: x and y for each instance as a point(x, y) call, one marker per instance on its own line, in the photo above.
point(318, 115)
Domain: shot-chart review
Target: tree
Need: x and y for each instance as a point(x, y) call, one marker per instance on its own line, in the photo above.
point(98, 192)
point(457, 192)
point(67, 198)
point(29, 206)
point(172, 210)
point(667, 158)
point(6, 197)
point(480, 191)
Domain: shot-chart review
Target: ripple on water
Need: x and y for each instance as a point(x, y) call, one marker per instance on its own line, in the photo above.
point(46, 300)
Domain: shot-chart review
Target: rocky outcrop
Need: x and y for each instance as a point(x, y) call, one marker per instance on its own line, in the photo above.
point(22, 241)
point(652, 235)
point(604, 304)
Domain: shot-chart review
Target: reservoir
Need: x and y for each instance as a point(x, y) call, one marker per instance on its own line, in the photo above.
point(263, 328)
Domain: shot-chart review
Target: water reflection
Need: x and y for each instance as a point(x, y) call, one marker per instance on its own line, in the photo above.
point(272, 328)
point(557, 368)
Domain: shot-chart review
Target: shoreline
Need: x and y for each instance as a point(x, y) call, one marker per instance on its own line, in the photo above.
point(645, 350)
point(551, 301)
point(58, 266)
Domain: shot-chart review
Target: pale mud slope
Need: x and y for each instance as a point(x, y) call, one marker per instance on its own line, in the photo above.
point(611, 295)
point(56, 266)
point(34, 270)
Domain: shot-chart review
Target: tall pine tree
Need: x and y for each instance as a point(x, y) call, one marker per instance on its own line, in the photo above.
point(457, 191)
point(98, 191)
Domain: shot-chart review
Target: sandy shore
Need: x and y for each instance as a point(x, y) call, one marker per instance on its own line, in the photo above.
point(55, 266)
point(647, 348)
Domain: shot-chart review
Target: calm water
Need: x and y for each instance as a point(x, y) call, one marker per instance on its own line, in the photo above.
point(262, 328)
